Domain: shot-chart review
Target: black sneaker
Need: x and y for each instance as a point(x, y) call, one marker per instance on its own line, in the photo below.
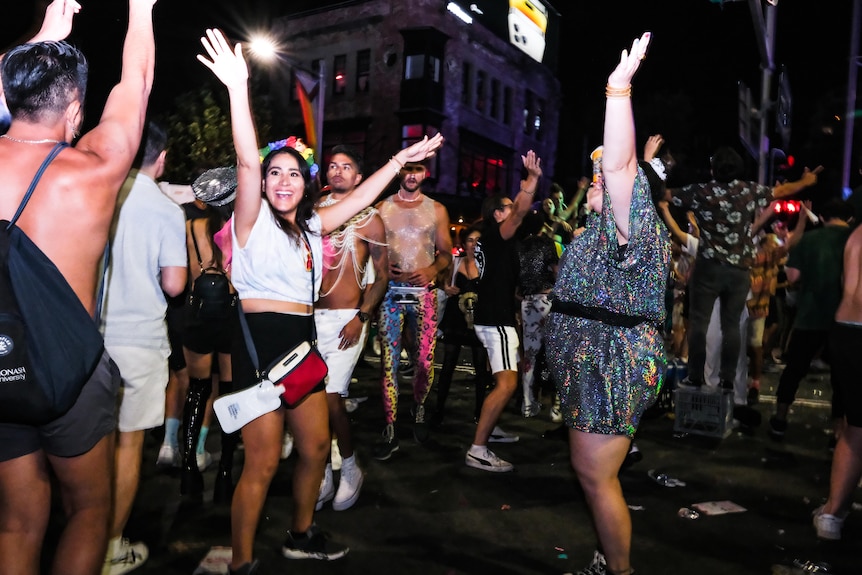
point(384, 449)
point(777, 428)
point(598, 566)
point(313, 544)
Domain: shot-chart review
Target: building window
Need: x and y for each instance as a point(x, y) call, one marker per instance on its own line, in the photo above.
point(494, 108)
point(537, 118)
point(482, 175)
point(363, 70)
point(481, 97)
point(466, 83)
point(507, 105)
point(417, 66)
point(339, 74)
point(528, 119)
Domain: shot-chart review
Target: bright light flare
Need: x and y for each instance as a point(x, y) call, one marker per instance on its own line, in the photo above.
point(263, 47)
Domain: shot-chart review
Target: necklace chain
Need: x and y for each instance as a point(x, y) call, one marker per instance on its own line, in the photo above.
point(403, 199)
point(22, 141)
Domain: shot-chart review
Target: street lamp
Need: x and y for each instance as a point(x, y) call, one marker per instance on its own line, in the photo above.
point(310, 87)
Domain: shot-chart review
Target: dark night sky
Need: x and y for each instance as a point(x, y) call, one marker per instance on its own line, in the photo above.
point(687, 89)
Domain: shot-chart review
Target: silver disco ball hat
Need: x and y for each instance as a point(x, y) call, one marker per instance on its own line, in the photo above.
point(216, 186)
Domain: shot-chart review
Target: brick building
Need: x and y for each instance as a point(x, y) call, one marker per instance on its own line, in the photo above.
point(397, 69)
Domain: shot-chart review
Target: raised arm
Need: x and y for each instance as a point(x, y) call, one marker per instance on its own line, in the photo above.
point(524, 199)
point(809, 178)
point(115, 140)
point(675, 230)
point(229, 66)
point(619, 160)
point(364, 195)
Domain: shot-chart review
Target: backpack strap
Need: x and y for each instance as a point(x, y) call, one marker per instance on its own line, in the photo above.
point(198, 251)
point(195, 242)
point(58, 147)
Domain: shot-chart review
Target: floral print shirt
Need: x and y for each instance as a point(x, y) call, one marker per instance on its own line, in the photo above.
point(725, 213)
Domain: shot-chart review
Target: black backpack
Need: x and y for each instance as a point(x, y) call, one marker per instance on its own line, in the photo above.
point(210, 298)
point(49, 343)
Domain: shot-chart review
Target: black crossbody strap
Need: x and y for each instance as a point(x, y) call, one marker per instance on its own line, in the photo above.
point(58, 147)
point(249, 343)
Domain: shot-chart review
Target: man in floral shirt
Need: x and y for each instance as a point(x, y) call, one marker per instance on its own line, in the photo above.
point(725, 208)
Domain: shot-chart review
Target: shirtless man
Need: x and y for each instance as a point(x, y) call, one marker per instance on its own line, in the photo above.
point(844, 342)
point(417, 231)
point(341, 313)
point(44, 85)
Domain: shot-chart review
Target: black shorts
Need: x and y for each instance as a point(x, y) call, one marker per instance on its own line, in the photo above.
point(208, 336)
point(273, 335)
point(93, 416)
point(844, 345)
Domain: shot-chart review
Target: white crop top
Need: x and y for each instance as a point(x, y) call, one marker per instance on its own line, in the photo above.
point(272, 266)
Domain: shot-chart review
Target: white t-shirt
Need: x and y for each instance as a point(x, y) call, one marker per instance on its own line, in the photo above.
point(273, 266)
point(150, 235)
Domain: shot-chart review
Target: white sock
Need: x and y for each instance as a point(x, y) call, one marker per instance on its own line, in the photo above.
point(114, 546)
point(477, 448)
point(348, 461)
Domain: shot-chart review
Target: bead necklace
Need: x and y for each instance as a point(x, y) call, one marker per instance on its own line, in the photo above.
point(21, 141)
point(403, 199)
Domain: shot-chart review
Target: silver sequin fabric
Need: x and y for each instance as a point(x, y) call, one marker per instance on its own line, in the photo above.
point(607, 376)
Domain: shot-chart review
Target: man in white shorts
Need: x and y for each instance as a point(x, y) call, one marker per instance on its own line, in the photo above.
point(342, 311)
point(148, 260)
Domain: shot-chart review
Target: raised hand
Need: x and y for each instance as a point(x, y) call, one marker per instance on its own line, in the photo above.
point(424, 148)
point(57, 24)
point(630, 61)
point(652, 146)
point(227, 64)
point(533, 164)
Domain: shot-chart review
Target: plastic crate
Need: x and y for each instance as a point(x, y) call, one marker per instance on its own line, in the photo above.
point(703, 412)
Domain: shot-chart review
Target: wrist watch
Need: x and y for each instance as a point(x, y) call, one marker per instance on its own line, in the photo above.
point(363, 317)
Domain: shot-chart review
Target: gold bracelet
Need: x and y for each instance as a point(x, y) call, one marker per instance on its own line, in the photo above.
point(398, 169)
point(611, 92)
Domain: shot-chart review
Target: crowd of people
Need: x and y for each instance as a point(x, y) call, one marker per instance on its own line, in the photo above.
point(601, 292)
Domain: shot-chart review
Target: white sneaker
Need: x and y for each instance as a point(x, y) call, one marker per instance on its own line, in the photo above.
point(485, 459)
point(287, 445)
point(169, 456)
point(348, 486)
point(204, 460)
point(127, 557)
point(335, 455)
point(828, 526)
point(327, 489)
point(500, 436)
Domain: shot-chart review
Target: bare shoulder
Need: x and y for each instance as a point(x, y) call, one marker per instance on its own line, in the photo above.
point(441, 211)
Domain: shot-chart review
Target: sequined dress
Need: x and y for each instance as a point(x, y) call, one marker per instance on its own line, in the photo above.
point(607, 376)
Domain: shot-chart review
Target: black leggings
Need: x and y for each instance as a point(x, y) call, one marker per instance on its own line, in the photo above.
point(451, 352)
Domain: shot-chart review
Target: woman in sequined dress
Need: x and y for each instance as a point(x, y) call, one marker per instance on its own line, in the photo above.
point(605, 348)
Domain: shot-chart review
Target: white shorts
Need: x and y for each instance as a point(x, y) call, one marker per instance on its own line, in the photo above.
point(340, 362)
point(501, 342)
point(144, 372)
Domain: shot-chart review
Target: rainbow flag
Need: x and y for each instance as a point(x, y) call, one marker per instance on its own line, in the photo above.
point(309, 91)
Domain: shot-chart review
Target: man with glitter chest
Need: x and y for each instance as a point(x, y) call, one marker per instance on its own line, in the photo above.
point(417, 231)
point(341, 314)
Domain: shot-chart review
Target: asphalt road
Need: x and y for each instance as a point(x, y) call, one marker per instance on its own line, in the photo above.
point(425, 512)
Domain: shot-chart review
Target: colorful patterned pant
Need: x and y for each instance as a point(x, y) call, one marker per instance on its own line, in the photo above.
point(392, 319)
point(534, 309)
